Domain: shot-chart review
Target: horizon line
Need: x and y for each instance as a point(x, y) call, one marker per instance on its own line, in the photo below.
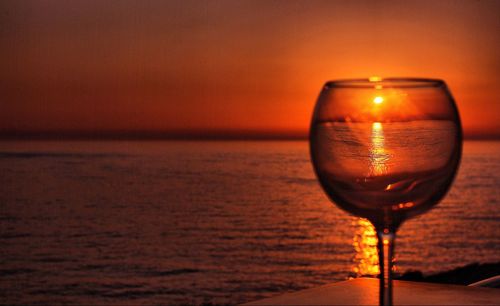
point(182, 135)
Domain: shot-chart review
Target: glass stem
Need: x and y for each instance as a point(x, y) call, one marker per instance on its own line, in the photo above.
point(385, 247)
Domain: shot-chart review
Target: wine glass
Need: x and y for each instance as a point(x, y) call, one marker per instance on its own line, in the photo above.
point(385, 150)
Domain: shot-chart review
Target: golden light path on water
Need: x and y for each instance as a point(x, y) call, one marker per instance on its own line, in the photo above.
point(365, 245)
point(365, 238)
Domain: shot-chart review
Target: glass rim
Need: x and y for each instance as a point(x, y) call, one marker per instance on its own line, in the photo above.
point(379, 83)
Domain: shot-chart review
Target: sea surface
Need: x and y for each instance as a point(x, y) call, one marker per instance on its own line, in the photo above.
point(167, 222)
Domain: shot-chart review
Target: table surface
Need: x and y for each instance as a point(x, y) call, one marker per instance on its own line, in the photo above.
point(364, 291)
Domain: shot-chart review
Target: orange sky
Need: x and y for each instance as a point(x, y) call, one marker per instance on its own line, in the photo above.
point(203, 66)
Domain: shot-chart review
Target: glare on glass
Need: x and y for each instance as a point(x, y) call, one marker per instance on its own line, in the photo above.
point(385, 150)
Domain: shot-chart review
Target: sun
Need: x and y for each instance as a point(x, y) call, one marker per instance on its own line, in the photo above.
point(378, 100)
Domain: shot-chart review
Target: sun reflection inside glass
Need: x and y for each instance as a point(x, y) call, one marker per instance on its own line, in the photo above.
point(378, 154)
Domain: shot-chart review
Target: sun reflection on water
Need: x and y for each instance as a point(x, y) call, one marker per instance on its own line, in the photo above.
point(365, 244)
point(365, 261)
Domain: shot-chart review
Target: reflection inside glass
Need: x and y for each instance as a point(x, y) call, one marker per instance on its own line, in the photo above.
point(378, 153)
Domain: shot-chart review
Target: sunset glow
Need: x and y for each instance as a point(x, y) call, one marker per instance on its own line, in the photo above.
point(232, 68)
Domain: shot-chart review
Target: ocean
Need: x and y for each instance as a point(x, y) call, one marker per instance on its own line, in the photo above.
point(169, 222)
